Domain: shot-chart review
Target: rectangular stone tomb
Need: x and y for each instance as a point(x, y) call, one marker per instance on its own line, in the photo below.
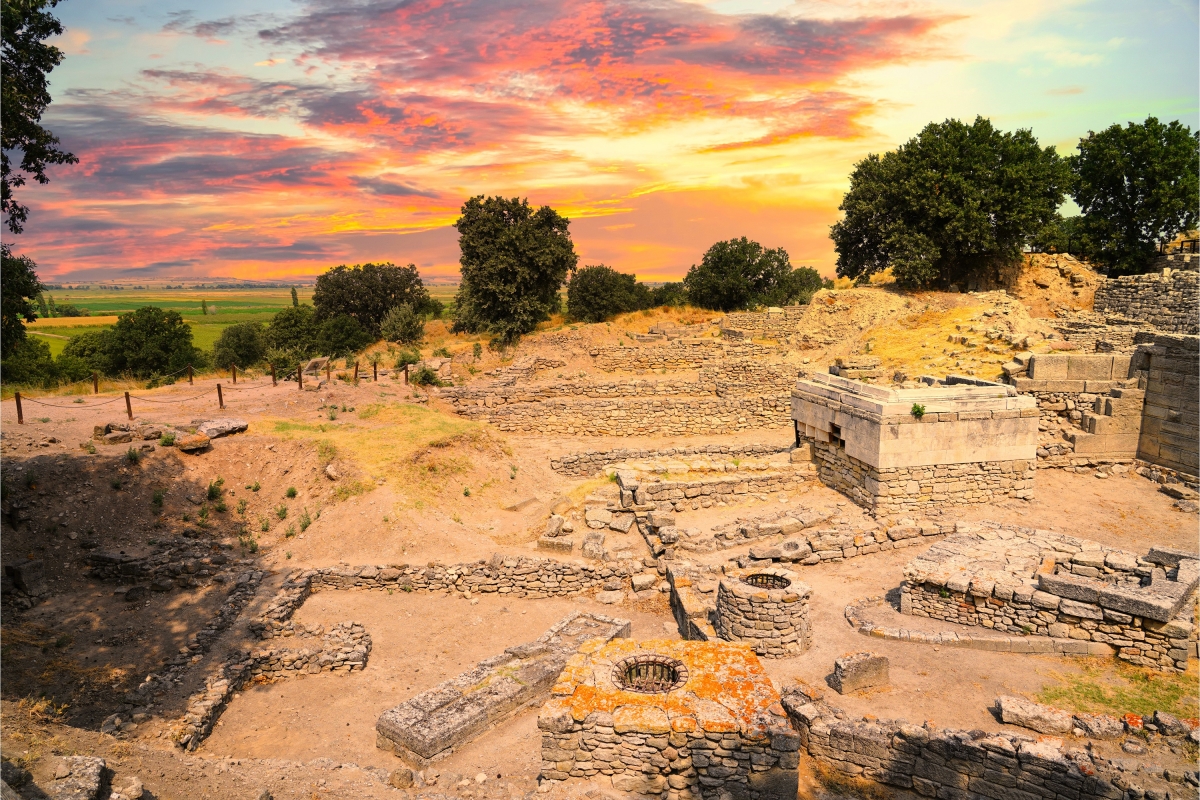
point(1025, 581)
point(671, 719)
point(428, 726)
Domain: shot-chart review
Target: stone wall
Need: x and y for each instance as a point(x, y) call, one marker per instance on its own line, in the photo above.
point(680, 354)
point(1101, 333)
point(912, 489)
point(1020, 580)
point(775, 324)
point(773, 619)
point(703, 492)
point(1170, 433)
point(935, 762)
point(587, 463)
point(1169, 302)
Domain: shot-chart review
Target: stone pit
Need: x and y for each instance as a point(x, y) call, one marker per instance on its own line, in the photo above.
point(767, 607)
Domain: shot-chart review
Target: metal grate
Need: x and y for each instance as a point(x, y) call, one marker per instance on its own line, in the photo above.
point(650, 674)
point(765, 580)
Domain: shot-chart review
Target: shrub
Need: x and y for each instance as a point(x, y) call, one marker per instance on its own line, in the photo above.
point(368, 293)
point(293, 332)
point(669, 294)
point(341, 336)
point(740, 273)
point(291, 492)
point(150, 340)
point(598, 293)
point(133, 455)
point(407, 357)
point(402, 324)
point(167, 440)
point(243, 344)
point(281, 511)
point(305, 520)
point(425, 377)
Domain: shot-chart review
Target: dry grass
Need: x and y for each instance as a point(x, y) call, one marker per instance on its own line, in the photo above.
point(1120, 688)
point(848, 786)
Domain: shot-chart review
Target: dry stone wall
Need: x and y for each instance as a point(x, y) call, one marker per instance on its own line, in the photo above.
point(590, 462)
point(1170, 432)
point(680, 354)
point(766, 607)
point(1168, 302)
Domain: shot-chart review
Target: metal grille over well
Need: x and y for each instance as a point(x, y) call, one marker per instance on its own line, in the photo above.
point(650, 674)
point(765, 580)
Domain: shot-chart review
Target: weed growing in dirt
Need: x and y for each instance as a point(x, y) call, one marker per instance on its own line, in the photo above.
point(281, 511)
point(332, 414)
point(290, 532)
point(291, 492)
point(512, 472)
point(133, 456)
point(186, 517)
point(202, 517)
point(91, 449)
point(466, 491)
point(255, 487)
point(219, 506)
point(477, 350)
point(167, 440)
point(289, 554)
point(305, 520)
point(348, 489)
point(214, 488)
point(43, 419)
point(157, 499)
point(249, 543)
point(241, 506)
point(1118, 688)
point(441, 352)
point(264, 524)
point(116, 484)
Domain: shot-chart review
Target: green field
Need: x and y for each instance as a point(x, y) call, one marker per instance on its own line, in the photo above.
point(225, 307)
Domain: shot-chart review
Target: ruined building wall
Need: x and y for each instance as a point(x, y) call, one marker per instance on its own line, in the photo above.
point(1170, 303)
point(1170, 433)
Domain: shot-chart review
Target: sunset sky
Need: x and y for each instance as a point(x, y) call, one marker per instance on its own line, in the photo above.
point(271, 139)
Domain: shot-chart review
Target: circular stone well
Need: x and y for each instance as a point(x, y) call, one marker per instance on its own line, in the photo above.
point(649, 674)
point(766, 607)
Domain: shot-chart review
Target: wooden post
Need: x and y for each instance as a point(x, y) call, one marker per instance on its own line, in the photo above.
point(327, 379)
point(356, 373)
point(95, 383)
point(20, 412)
point(220, 397)
point(406, 374)
point(189, 374)
point(233, 369)
point(128, 406)
point(273, 381)
point(375, 371)
point(300, 376)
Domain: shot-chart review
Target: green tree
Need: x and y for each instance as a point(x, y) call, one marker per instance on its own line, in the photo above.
point(204, 308)
point(151, 340)
point(802, 284)
point(404, 325)
point(738, 274)
point(25, 61)
point(597, 293)
point(1063, 235)
point(955, 201)
point(243, 344)
point(1138, 187)
point(293, 330)
point(93, 349)
point(341, 336)
point(514, 260)
point(19, 286)
point(367, 292)
point(295, 298)
point(669, 294)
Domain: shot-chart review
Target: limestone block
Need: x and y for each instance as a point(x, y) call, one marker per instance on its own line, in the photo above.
point(859, 671)
point(1035, 716)
point(1048, 367)
point(556, 544)
point(621, 522)
point(1089, 367)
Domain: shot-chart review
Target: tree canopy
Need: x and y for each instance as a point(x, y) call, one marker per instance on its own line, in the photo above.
point(952, 202)
point(151, 340)
point(597, 293)
point(740, 273)
point(19, 286)
point(514, 260)
point(341, 336)
point(367, 292)
point(403, 324)
point(243, 344)
point(25, 61)
point(1138, 186)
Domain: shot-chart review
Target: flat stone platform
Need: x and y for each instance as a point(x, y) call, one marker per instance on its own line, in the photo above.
point(428, 726)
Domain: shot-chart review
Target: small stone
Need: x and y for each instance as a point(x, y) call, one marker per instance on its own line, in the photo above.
point(610, 597)
point(401, 778)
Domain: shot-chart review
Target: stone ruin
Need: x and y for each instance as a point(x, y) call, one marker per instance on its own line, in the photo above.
point(1039, 583)
point(765, 607)
point(675, 719)
point(430, 725)
point(900, 450)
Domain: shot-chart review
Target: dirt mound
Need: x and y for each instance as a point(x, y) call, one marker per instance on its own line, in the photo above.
point(1048, 283)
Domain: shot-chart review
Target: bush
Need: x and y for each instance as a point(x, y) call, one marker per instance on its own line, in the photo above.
point(407, 357)
point(150, 340)
point(514, 260)
point(669, 294)
point(243, 344)
point(955, 202)
point(425, 377)
point(367, 292)
point(341, 336)
point(402, 324)
point(28, 361)
point(740, 273)
point(598, 293)
point(92, 349)
point(294, 331)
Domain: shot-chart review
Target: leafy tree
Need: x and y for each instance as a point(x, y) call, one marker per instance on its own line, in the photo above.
point(597, 293)
point(341, 336)
point(293, 330)
point(738, 274)
point(1062, 235)
point(204, 308)
point(93, 349)
point(295, 298)
point(403, 324)
point(956, 200)
point(669, 294)
point(19, 286)
point(514, 260)
point(25, 61)
point(1138, 186)
point(243, 344)
point(367, 292)
point(151, 340)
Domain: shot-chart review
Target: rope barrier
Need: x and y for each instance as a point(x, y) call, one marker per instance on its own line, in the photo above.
point(73, 405)
point(184, 400)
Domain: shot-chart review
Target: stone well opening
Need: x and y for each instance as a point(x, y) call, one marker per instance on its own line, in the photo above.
point(650, 674)
point(765, 580)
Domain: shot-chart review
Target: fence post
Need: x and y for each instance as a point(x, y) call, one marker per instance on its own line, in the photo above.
point(189, 374)
point(356, 373)
point(95, 383)
point(327, 378)
point(375, 371)
point(220, 398)
point(406, 374)
point(20, 412)
point(273, 381)
point(233, 369)
point(300, 376)
point(128, 406)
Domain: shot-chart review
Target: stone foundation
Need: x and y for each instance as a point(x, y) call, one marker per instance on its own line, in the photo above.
point(1039, 583)
point(765, 607)
point(1169, 302)
point(590, 462)
point(913, 489)
point(1170, 433)
point(716, 728)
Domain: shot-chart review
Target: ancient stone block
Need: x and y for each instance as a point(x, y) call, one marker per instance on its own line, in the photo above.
point(859, 671)
point(1035, 716)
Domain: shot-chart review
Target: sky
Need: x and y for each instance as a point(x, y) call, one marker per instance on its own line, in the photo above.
point(271, 140)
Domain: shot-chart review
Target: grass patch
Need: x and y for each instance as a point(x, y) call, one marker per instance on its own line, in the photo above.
point(347, 489)
point(1121, 688)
